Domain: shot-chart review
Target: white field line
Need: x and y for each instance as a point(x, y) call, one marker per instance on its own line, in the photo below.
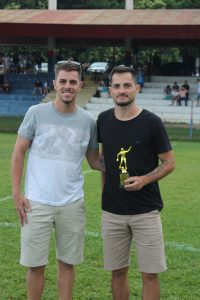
point(182, 246)
point(7, 224)
point(10, 197)
point(172, 245)
point(5, 198)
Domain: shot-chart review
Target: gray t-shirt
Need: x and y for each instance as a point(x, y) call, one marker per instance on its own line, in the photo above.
point(59, 144)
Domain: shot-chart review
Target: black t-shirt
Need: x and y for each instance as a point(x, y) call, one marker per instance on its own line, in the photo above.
point(147, 137)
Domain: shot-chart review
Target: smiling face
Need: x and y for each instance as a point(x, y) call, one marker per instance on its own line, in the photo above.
point(123, 88)
point(67, 84)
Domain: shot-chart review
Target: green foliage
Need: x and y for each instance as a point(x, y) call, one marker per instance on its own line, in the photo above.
point(182, 4)
point(13, 5)
point(150, 4)
point(114, 4)
point(23, 4)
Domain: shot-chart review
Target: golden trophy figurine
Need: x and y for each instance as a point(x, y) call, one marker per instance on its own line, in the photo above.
point(123, 165)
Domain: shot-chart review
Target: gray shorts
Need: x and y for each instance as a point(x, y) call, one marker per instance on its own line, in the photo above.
point(118, 231)
point(69, 223)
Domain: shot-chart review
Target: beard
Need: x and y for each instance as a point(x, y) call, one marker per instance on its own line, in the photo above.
point(66, 100)
point(125, 103)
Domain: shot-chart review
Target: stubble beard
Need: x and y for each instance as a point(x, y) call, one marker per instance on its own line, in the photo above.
point(125, 103)
point(66, 101)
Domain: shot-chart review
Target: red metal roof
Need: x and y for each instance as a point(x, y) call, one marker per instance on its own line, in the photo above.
point(150, 25)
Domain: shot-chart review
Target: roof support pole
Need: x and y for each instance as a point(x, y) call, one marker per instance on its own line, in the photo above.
point(127, 42)
point(129, 4)
point(52, 5)
point(51, 53)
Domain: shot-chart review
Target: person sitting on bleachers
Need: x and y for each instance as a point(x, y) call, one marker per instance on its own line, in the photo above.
point(97, 94)
point(46, 87)
point(140, 79)
point(187, 87)
point(175, 93)
point(198, 92)
point(168, 92)
point(182, 96)
point(103, 88)
point(6, 86)
point(37, 87)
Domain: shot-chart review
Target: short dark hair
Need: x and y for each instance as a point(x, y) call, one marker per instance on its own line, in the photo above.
point(69, 66)
point(122, 69)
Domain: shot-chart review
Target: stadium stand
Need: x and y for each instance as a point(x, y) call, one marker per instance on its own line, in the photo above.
point(152, 98)
point(20, 97)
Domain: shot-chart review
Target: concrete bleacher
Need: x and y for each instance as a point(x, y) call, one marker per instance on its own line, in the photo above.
point(152, 98)
point(20, 97)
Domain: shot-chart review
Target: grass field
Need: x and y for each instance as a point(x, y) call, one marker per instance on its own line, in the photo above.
point(181, 226)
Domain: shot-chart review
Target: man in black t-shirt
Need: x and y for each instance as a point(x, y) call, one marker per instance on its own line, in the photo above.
point(187, 87)
point(137, 153)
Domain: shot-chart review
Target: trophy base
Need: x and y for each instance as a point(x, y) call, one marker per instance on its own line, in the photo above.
point(123, 177)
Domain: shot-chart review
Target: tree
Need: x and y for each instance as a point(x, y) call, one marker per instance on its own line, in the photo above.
point(23, 4)
point(182, 4)
point(150, 4)
point(93, 4)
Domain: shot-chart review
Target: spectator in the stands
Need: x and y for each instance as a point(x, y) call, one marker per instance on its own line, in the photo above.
point(175, 93)
point(6, 86)
point(37, 87)
point(46, 87)
point(15, 63)
point(140, 79)
point(38, 61)
point(198, 92)
point(103, 88)
point(29, 64)
point(7, 62)
point(22, 63)
point(97, 93)
point(168, 92)
point(187, 87)
point(182, 96)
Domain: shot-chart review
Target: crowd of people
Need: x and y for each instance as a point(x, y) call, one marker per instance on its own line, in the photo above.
point(41, 88)
point(20, 63)
point(178, 94)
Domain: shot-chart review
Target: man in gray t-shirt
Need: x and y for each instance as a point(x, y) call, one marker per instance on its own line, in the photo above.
point(59, 135)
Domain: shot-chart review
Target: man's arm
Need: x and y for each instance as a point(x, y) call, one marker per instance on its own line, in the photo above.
point(95, 160)
point(18, 156)
point(166, 166)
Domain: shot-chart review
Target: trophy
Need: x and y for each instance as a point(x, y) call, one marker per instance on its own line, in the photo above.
point(123, 166)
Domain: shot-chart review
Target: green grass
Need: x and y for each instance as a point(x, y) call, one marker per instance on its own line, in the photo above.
point(176, 132)
point(10, 124)
point(181, 226)
point(182, 132)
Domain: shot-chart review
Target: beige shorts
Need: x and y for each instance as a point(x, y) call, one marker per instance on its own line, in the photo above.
point(69, 223)
point(118, 231)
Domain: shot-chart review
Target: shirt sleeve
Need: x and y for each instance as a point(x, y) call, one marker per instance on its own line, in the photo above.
point(160, 137)
point(93, 136)
point(27, 127)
